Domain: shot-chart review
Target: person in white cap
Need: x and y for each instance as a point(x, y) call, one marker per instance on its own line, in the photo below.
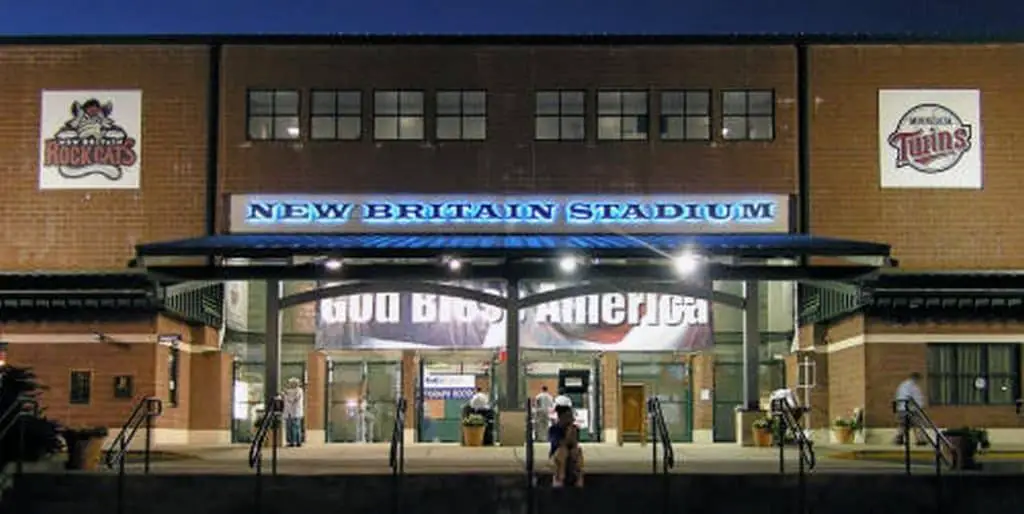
point(565, 454)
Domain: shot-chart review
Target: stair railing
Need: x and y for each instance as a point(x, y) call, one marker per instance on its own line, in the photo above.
point(912, 415)
point(659, 432)
point(531, 439)
point(270, 425)
point(786, 422)
point(144, 414)
point(396, 454)
point(22, 408)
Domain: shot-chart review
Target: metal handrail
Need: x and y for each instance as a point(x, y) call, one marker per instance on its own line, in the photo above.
point(659, 430)
point(23, 406)
point(147, 410)
point(531, 439)
point(786, 421)
point(396, 454)
point(270, 424)
point(936, 439)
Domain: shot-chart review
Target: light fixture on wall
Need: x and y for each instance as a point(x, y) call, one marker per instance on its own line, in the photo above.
point(454, 264)
point(332, 264)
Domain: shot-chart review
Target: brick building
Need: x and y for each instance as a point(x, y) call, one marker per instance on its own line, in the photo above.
point(208, 125)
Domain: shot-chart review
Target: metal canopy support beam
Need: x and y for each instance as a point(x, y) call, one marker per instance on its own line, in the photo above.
point(272, 356)
point(511, 398)
point(751, 346)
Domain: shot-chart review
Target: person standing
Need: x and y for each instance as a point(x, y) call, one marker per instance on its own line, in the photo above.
point(293, 412)
point(907, 391)
point(542, 406)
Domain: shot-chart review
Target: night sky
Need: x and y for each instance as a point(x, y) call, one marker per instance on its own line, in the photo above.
point(949, 17)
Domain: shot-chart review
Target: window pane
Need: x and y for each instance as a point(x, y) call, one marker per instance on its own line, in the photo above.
point(261, 102)
point(572, 128)
point(474, 128)
point(474, 103)
point(941, 390)
point(410, 128)
point(385, 127)
point(761, 127)
point(672, 127)
point(323, 102)
point(572, 102)
point(698, 102)
point(286, 102)
point(673, 102)
point(634, 128)
point(350, 102)
point(967, 393)
point(350, 127)
point(385, 102)
point(1002, 390)
point(634, 102)
point(448, 127)
point(448, 102)
point(322, 127)
point(411, 102)
point(609, 127)
point(734, 127)
point(260, 127)
point(546, 128)
point(968, 361)
point(609, 102)
point(286, 127)
point(734, 102)
point(941, 359)
point(698, 127)
point(1000, 360)
point(760, 102)
point(547, 102)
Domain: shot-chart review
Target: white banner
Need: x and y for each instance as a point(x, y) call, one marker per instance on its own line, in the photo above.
point(236, 306)
point(90, 140)
point(930, 138)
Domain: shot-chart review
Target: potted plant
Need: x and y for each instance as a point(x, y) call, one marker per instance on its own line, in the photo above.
point(762, 429)
point(845, 429)
point(967, 442)
point(473, 426)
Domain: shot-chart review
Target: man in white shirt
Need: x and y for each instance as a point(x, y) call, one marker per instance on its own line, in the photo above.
point(480, 401)
point(908, 391)
point(293, 412)
point(542, 406)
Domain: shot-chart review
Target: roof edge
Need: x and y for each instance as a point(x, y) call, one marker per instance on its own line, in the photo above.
point(515, 39)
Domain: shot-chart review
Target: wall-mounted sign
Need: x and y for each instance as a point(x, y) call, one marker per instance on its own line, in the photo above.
point(90, 140)
point(930, 138)
point(509, 214)
point(449, 387)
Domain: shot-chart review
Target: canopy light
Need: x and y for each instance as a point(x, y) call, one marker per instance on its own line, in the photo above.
point(686, 263)
point(332, 264)
point(568, 264)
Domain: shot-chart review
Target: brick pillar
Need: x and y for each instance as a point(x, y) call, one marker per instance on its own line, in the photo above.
point(610, 405)
point(316, 387)
point(410, 374)
point(702, 369)
point(210, 394)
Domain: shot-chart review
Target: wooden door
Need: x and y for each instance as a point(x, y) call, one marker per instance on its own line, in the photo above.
point(632, 409)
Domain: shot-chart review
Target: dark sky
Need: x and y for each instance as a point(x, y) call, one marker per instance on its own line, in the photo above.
point(956, 17)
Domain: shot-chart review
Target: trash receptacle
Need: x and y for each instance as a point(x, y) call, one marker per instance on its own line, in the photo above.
point(85, 446)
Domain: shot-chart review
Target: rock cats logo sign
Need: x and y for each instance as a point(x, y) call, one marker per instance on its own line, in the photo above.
point(90, 140)
point(930, 138)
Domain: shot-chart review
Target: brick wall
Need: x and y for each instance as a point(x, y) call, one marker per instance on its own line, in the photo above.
point(938, 229)
point(98, 229)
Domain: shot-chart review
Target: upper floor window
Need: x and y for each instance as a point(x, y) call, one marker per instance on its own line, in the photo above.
point(560, 116)
point(273, 115)
point(462, 115)
point(622, 115)
point(398, 115)
point(973, 374)
point(336, 115)
point(80, 387)
point(748, 115)
point(686, 115)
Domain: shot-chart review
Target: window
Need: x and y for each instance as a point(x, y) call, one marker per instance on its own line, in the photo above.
point(748, 115)
point(686, 115)
point(173, 361)
point(973, 374)
point(559, 115)
point(462, 115)
point(81, 387)
point(398, 115)
point(273, 115)
point(336, 115)
point(622, 115)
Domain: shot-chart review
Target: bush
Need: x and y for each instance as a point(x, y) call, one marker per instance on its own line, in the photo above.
point(42, 436)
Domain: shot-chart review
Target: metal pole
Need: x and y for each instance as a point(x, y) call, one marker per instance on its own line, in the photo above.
point(654, 442)
point(751, 346)
point(120, 476)
point(906, 438)
point(780, 432)
point(938, 475)
point(20, 465)
point(276, 433)
point(259, 482)
point(511, 398)
point(149, 438)
point(801, 479)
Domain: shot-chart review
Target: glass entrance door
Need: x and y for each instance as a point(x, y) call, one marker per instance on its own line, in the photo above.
point(540, 369)
point(667, 378)
point(453, 380)
point(248, 400)
point(361, 399)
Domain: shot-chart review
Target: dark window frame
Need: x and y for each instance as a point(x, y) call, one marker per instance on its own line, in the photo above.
point(336, 115)
point(560, 115)
point(747, 116)
point(956, 376)
point(422, 115)
point(77, 396)
point(274, 115)
point(173, 375)
point(622, 115)
point(685, 116)
point(461, 116)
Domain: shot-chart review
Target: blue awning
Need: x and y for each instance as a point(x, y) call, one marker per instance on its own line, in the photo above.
point(483, 245)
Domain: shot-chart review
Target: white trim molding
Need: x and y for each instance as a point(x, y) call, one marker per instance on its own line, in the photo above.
point(923, 338)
